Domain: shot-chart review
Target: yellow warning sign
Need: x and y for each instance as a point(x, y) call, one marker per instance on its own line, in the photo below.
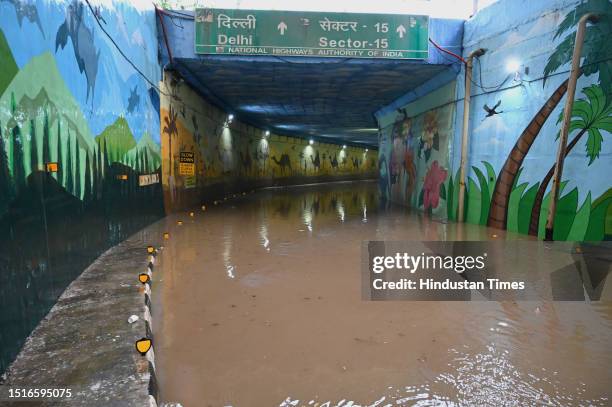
point(187, 163)
point(187, 169)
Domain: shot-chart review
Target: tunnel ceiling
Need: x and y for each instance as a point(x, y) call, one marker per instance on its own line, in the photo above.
point(325, 98)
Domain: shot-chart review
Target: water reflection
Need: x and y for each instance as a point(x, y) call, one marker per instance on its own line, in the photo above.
point(291, 329)
point(340, 201)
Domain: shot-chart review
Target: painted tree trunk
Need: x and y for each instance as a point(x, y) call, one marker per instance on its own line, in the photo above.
point(534, 223)
point(498, 214)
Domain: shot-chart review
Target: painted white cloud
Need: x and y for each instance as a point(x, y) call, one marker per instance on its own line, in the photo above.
point(542, 25)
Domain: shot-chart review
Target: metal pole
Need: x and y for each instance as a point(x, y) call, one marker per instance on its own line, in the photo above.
point(466, 125)
point(567, 116)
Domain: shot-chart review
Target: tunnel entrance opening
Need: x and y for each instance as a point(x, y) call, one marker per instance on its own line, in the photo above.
point(254, 117)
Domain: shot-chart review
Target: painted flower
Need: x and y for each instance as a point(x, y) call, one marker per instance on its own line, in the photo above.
point(429, 136)
point(431, 188)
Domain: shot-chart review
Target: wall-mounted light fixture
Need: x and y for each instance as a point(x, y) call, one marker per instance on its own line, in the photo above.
point(229, 120)
point(311, 141)
point(344, 147)
point(514, 66)
point(366, 150)
point(267, 133)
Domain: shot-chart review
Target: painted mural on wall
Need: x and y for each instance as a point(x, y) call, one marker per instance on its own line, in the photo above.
point(414, 163)
point(78, 126)
point(591, 116)
point(233, 153)
point(514, 135)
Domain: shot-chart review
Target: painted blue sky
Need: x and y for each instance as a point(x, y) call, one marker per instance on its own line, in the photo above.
point(132, 29)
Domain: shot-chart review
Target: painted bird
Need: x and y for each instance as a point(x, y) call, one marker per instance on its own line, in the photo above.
point(492, 111)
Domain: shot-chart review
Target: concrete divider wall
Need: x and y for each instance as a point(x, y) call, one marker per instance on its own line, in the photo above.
point(234, 157)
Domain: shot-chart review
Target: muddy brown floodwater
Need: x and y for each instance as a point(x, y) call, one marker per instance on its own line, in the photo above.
point(257, 302)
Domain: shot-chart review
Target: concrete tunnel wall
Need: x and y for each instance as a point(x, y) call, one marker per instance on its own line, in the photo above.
point(67, 96)
point(235, 157)
point(422, 150)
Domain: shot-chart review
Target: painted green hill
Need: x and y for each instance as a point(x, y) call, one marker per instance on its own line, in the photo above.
point(36, 87)
point(145, 157)
point(9, 67)
point(35, 109)
point(117, 139)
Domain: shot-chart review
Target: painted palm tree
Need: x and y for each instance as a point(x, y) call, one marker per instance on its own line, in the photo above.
point(597, 56)
point(170, 129)
point(590, 116)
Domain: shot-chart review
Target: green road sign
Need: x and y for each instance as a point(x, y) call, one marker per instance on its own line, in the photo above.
point(310, 34)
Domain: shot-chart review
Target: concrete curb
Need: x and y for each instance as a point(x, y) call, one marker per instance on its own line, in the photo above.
point(85, 342)
point(148, 318)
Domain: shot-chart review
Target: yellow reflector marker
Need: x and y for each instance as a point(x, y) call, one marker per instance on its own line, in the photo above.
point(52, 167)
point(180, 222)
point(122, 177)
point(150, 249)
point(144, 278)
point(166, 235)
point(143, 345)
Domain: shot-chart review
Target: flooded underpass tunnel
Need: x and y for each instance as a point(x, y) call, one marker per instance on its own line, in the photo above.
point(305, 205)
point(259, 301)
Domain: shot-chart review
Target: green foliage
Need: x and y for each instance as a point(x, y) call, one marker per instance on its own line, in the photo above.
point(513, 207)
point(443, 191)
point(592, 114)
point(485, 196)
point(544, 209)
point(566, 212)
point(524, 208)
point(608, 216)
point(449, 201)
point(596, 52)
point(474, 202)
point(491, 177)
point(581, 221)
point(587, 222)
point(452, 193)
point(117, 139)
point(597, 221)
point(5, 176)
point(9, 67)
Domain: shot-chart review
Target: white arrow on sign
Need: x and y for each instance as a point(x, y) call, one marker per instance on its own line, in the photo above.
point(282, 27)
point(401, 30)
